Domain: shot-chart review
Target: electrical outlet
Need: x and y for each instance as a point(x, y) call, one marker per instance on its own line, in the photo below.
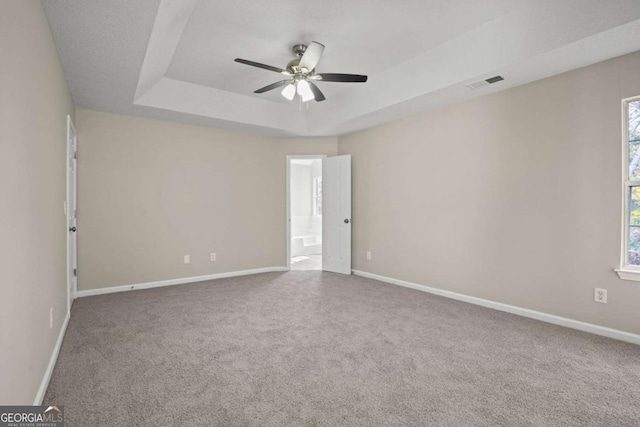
point(51, 318)
point(213, 256)
point(369, 255)
point(600, 295)
point(187, 259)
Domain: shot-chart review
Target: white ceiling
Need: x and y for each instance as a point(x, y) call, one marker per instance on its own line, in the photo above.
point(173, 59)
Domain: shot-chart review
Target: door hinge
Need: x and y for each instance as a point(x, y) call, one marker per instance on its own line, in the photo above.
point(75, 155)
point(75, 272)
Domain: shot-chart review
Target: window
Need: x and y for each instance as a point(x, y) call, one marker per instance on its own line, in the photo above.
point(630, 259)
point(317, 196)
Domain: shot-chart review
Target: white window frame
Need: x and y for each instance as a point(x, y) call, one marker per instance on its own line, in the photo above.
point(626, 271)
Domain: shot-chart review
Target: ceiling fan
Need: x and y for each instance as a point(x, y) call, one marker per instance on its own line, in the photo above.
point(301, 74)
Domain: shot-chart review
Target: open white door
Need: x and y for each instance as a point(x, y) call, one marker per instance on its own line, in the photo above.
point(72, 257)
point(336, 214)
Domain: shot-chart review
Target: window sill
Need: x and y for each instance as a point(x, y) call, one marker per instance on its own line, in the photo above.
point(628, 274)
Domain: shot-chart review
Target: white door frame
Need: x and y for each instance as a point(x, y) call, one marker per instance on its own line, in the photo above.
point(288, 213)
point(71, 293)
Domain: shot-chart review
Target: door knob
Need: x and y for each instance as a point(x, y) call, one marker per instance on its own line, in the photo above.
point(73, 229)
point(346, 221)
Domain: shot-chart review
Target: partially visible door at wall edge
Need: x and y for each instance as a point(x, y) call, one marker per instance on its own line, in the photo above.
point(72, 212)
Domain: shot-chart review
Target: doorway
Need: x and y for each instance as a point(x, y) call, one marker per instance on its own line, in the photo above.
point(304, 208)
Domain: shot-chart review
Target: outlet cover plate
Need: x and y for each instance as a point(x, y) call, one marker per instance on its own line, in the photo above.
point(600, 295)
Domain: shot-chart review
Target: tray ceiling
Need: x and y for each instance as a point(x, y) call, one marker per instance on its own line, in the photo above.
point(173, 60)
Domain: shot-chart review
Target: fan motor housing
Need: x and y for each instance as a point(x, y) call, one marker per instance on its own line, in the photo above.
point(294, 65)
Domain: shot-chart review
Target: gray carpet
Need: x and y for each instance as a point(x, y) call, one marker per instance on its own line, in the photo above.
point(307, 348)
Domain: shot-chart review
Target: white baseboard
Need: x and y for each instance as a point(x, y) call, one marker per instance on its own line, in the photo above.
point(525, 312)
point(147, 285)
point(52, 363)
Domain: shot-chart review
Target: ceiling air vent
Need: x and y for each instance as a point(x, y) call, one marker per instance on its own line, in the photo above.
point(482, 83)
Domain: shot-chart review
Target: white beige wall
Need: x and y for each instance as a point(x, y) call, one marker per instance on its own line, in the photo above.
point(34, 103)
point(150, 192)
point(513, 197)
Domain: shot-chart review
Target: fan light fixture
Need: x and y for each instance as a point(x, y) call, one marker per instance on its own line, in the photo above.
point(289, 91)
point(301, 87)
point(304, 90)
point(301, 72)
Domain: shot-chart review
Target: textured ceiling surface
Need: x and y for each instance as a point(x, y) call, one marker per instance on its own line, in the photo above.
point(173, 59)
point(268, 34)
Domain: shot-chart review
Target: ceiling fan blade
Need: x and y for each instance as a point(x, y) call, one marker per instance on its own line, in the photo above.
point(263, 66)
point(272, 86)
point(311, 56)
point(317, 94)
point(345, 78)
